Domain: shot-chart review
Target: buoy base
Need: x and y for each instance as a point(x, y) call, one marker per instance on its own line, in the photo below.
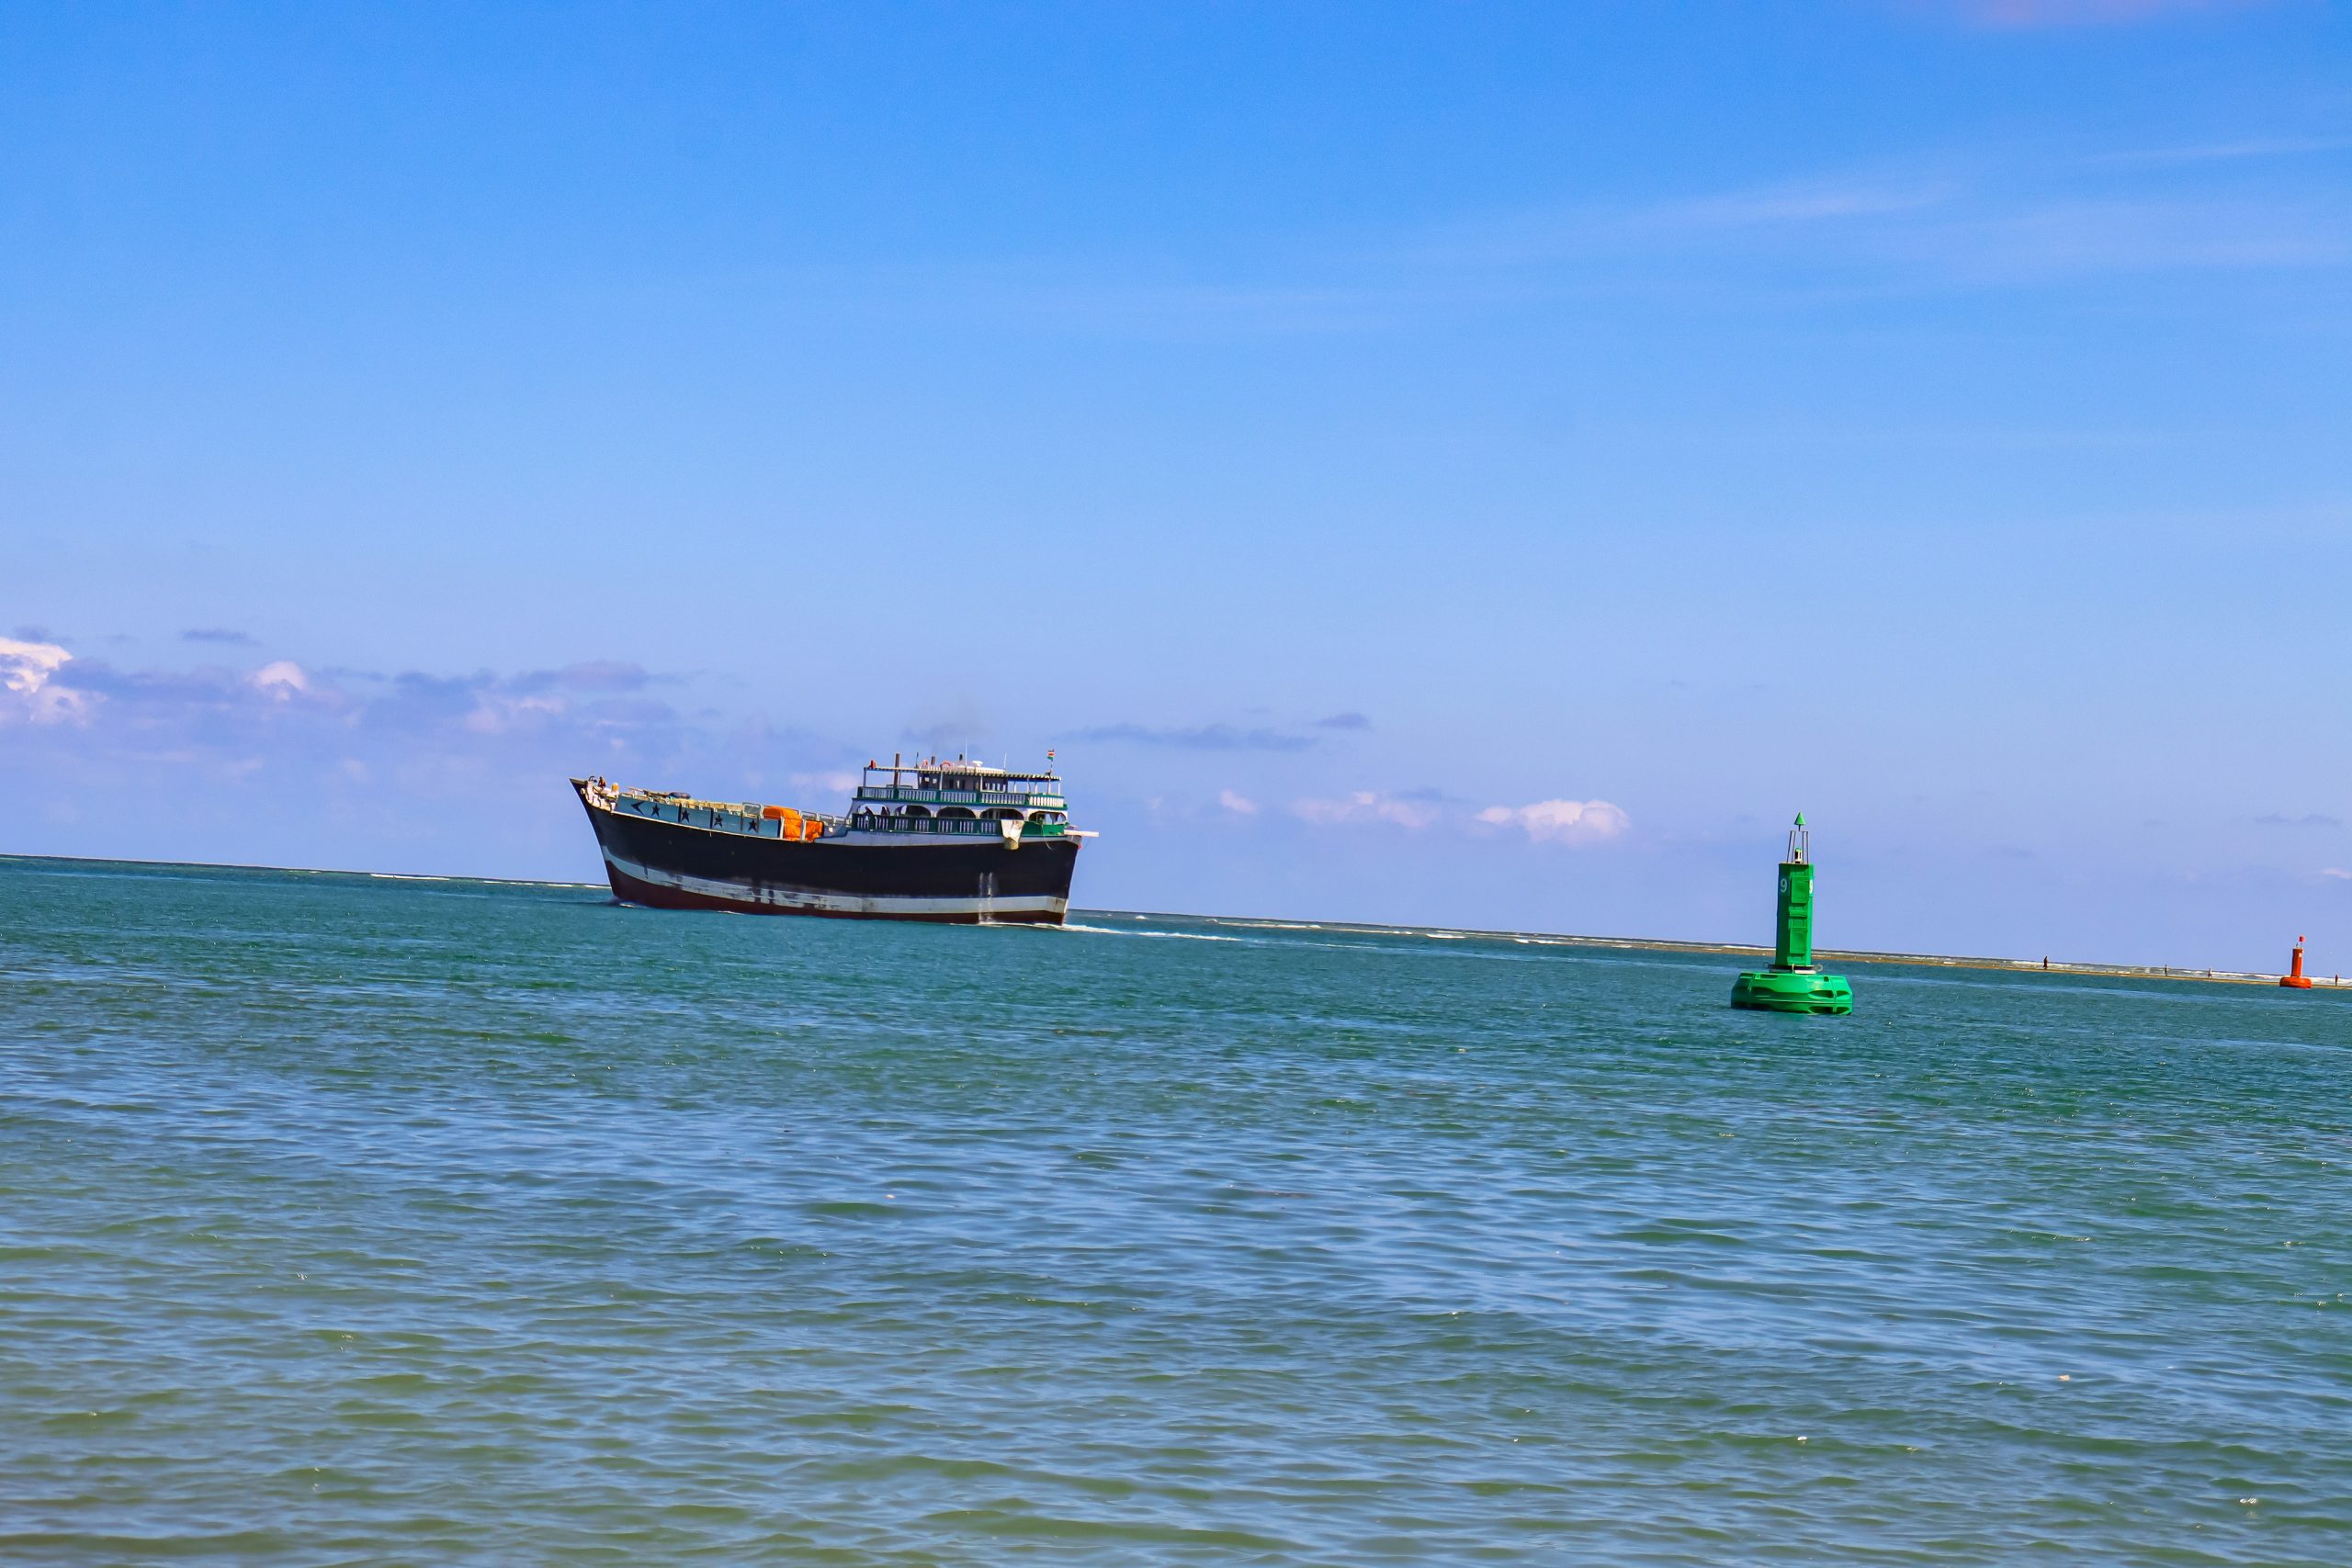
point(1792, 990)
point(2297, 982)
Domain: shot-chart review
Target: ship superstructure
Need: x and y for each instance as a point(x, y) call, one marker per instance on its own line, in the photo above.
point(923, 840)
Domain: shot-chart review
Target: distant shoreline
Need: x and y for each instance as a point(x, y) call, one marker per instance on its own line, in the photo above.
point(1548, 939)
point(1824, 955)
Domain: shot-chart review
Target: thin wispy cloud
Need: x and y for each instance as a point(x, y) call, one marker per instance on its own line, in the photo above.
point(2241, 150)
point(1188, 308)
point(217, 634)
point(1952, 219)
point(2308, 819)
point(1199, 738)
point(1574, 824)
point(592, 675)
point(1833, 200)
point(2028, 16)
point(1940, 228)
point(1344, 721)
point(1365, 809)
point(2076, 240)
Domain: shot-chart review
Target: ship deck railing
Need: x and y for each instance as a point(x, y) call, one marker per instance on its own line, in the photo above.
point(909, 792)
point(749, 820)
point(747, 817)
point(988, 827)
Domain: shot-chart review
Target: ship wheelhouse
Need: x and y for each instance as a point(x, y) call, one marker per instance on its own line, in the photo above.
point(941, 799)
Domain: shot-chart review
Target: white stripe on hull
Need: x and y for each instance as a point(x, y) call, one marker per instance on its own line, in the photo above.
point(900, 907)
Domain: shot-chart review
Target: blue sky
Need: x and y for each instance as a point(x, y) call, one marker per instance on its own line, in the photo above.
point(1469, 465)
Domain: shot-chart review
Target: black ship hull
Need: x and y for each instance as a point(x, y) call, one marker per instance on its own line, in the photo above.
point(674, 865)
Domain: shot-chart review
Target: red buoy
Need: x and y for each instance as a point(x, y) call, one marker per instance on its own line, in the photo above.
point(2295, 978)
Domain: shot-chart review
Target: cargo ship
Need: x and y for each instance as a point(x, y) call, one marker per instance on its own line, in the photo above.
point(921, 841)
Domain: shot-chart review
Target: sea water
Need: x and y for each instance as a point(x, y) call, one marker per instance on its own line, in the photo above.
point(348, 1219)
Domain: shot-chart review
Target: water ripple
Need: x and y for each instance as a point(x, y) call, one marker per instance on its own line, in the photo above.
point(348, 1219)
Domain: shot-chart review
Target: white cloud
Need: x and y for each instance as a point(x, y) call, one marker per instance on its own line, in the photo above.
point(1571, 822)
point(27, 672)
point(1364, 808)
point(1239, 804)
point(409, 736)
point(2338, 873)
point(282, 680)
point(26, 667)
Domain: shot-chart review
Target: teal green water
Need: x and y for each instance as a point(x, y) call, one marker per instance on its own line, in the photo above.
point(358, 1220)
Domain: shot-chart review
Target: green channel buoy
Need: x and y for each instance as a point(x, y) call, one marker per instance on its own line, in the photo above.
point(1792, 984)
